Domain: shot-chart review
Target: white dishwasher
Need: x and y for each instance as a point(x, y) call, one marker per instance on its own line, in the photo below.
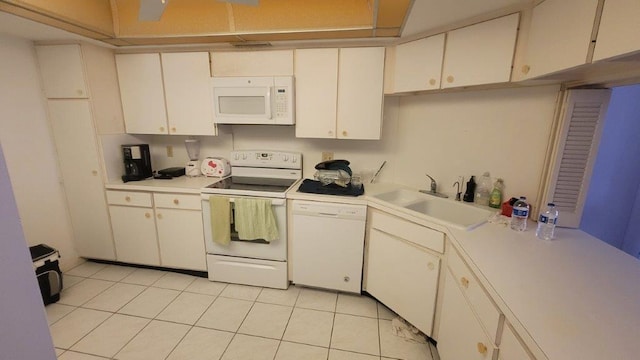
point(328, 245)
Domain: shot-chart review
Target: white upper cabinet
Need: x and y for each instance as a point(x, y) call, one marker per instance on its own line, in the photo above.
point(166, 95)
point(252, 63)
point(619, 29)
point(316, 76)
point(339, 93)
point(80, 165)
point(360, 87)
point(559, 36)
point(481, 53)
point(62, 71)
point(187, 86)
point(418, 64)
point(142, 93)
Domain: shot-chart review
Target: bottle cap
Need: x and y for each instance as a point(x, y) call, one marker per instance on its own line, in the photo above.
point(551, 204)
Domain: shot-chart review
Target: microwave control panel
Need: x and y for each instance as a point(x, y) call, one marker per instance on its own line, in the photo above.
point(281, 101)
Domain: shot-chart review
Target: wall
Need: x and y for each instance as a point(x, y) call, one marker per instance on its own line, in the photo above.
point(616, 173)
point(24, 333)
point(446, 135)
point(30, 153)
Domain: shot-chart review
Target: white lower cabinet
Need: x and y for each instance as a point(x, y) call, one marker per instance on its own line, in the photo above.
point(461, 335)
point(180, 231)
point(400, 272)
point(166, 231)
point(134, 232)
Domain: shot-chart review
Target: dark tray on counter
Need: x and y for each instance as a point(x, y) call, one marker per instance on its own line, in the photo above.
point(316, 187)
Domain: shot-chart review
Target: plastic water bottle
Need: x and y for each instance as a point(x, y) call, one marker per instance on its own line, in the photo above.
point(483, 191)
point(547, 222)
point(520, 214)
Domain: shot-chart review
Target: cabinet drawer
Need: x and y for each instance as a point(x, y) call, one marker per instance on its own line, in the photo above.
point(412, 232)
point(129, 198)
point(177, 201)
point(484, 307)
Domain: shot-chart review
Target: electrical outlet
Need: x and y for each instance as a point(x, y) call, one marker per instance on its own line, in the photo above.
point(327, 155)
point(169, 151)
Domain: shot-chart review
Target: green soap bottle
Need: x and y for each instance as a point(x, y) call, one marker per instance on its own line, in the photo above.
point(495, 200)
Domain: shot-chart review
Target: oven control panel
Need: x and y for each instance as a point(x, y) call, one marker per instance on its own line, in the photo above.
point(267, 159)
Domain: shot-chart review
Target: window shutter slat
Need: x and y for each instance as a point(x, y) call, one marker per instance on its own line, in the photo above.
point(578, 137)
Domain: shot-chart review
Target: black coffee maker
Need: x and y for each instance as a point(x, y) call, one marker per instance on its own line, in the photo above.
point(137, 162)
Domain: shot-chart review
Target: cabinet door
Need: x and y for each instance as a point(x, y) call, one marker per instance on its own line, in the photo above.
point(142, 93)
point(481, 53)
point(360, 93)
point(252, 63)
point(62, 71)
point(187, 86)
point(404, 277)
point(77, 149)
point(619, 29)
point(181, 239)
point(418, 64)
point(559, 36)
point(134, 232)
point(461, 335)
point(316, 73)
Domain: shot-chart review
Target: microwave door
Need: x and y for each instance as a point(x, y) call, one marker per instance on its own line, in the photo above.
point(243, 105)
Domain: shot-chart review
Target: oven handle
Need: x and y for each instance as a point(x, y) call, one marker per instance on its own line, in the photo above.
point(274, 202)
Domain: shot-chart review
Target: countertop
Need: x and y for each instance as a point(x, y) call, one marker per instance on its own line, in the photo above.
point(575, 297)
point(182, 184)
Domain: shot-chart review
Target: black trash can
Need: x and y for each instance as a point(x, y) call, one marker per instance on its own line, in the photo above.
point(46, 265)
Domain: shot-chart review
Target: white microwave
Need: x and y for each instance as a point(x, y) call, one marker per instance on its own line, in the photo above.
point(266, 100)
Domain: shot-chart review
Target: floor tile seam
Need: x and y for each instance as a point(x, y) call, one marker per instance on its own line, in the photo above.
point(314, 309)
point(283, 330)
point(115, 356)
point(120, 308)
point(63, 316)
point(90, 354)
point(205, 311)
point(303, 343)
point(93, 297)
point(88, 332)
point(178, 343)
point(364, 316)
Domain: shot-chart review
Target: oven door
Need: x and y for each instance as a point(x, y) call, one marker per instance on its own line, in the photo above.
point(259, 249)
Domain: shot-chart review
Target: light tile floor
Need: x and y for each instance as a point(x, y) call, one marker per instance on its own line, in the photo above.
point(120, 312)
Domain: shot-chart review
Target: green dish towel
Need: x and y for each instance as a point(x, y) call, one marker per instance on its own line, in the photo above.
point(254, 219)
point(220, 219)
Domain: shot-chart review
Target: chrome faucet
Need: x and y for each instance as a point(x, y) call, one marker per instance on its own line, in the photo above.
point(433, 187)
point(458, 184)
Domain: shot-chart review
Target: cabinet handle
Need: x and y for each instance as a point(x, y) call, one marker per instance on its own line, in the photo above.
point(147, 215)
point(450, 79)
point(482, 348)
point(347, 279)
point(432, 82)
point(173, 129)
point(431, 266)
point(344, 133)
point(94, 172)
point(465, 282)
point(127, 198)
point(80, 92)
point(330, 133)
point(161, 128)
point(526, 69)
point(176, 201)
point(159, 216)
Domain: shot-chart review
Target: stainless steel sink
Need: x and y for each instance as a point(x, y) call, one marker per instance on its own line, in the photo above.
point(461, 215)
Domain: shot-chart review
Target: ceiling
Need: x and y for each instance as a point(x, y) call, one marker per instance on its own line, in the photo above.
point(116, 22)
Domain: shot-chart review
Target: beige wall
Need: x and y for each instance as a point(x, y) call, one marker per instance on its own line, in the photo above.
point(447, 135)
point(29, 151)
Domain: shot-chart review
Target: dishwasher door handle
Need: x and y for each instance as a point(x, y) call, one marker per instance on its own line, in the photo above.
point(327, 214)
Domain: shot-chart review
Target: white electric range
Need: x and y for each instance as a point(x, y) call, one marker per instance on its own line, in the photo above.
point(256, 174)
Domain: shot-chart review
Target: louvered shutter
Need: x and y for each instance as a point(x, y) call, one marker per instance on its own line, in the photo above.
point(578, 136)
